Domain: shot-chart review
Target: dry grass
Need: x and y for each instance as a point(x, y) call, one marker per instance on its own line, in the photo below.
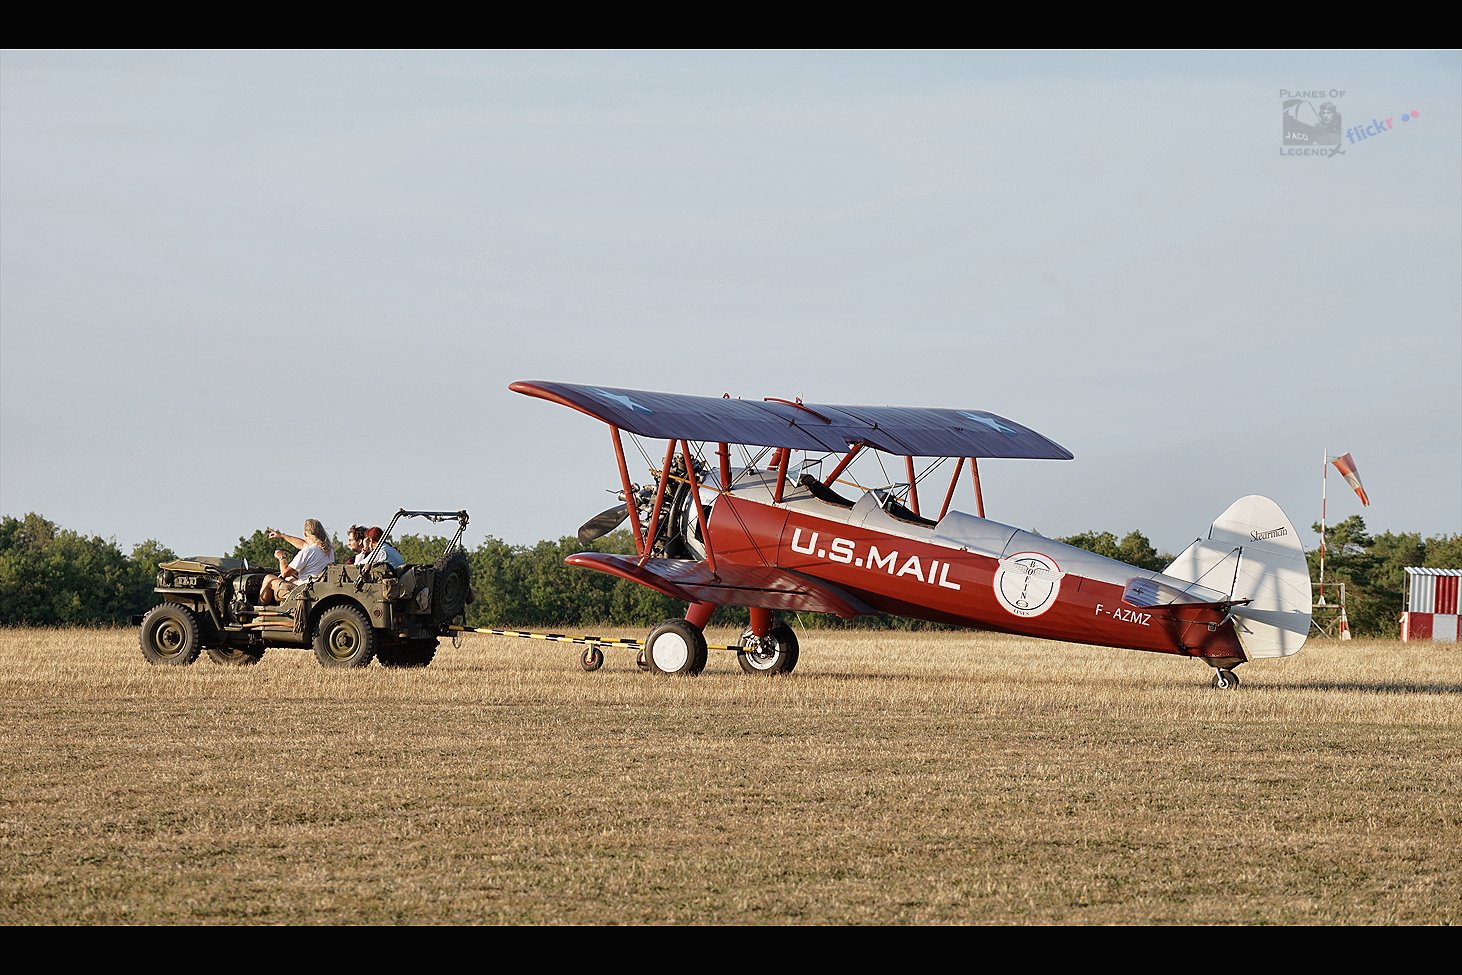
point(896, 778)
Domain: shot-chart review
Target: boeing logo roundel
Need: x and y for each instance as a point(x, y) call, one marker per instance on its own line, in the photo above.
point(1028, 583)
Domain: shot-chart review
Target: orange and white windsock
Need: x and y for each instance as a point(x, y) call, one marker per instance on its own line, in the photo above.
point(1346, 467)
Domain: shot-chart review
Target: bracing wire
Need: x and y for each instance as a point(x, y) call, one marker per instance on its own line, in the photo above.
point(878, 456)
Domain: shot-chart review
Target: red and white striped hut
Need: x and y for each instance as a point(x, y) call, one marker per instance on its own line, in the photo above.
point(1431, 604)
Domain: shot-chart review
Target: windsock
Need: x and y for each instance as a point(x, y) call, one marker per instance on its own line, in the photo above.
point(1346, 467)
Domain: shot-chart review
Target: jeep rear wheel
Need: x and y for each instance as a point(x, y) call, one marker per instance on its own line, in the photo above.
point(169, 635)
point(344, 638)
point(408, 653)
point(235, 656)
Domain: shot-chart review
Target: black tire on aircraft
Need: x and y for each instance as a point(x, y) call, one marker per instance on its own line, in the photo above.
point(1225, 680)
point(777, 654)
point(676, 647)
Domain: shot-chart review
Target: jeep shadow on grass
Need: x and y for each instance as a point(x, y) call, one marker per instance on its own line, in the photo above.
point(349, 614)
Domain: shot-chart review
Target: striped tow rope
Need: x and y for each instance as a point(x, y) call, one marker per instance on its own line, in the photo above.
point(625, 643)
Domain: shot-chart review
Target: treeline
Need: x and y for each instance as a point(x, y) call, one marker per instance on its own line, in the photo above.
point(52, 576)
point(1372, 568)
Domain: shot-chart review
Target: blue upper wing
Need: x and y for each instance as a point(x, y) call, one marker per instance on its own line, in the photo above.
point(898, 430)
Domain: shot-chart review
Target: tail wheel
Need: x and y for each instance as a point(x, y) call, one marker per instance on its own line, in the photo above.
point(676, 647)
point(1225, 680)
point(344, 638)
point(169, 635)
point(235, 656)
point(775, 653)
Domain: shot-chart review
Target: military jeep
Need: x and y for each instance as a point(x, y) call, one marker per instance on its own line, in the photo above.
point(349, 615)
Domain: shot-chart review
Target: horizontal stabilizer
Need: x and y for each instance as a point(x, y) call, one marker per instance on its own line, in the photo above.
point(1147, 592)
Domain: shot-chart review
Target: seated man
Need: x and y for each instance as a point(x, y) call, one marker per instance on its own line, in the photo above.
point(355, 539)
point(315, 554)
point(387, 553)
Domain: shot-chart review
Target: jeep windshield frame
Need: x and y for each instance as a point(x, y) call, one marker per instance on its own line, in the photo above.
point(378, 554)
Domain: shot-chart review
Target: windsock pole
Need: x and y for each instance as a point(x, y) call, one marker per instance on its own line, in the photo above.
point(1324, 482)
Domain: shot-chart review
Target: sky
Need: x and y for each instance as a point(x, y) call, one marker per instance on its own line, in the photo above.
point(239, 289)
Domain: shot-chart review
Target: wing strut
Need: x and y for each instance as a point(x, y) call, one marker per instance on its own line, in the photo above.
point(913, 486)
point(949, 495)
point(700, 511)
point(629, 490)
point(843, 464)
point(975, 478)
point(659, 497)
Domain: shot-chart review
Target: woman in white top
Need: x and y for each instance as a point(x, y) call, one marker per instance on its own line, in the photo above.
point(315, 553)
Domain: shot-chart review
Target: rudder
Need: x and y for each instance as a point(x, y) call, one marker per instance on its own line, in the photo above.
point(1253, 552)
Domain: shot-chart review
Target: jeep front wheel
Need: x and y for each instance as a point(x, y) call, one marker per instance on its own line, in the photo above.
point(169, 635)
point(344, 638)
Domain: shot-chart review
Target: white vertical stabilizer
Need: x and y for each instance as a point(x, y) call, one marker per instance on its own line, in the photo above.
point(1253, 552)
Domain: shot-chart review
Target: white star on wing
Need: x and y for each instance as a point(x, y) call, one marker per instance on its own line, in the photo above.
point(623, 400)
point(990, 422)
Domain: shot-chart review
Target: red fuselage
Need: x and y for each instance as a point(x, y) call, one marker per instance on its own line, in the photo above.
point(1027, 592)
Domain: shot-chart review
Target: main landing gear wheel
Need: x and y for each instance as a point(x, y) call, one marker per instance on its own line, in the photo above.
point(676, 647)
point(1225, 680)
point(776, 653)
point(591, 659)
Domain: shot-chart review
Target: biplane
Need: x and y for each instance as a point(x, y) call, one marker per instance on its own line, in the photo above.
point(775, 534)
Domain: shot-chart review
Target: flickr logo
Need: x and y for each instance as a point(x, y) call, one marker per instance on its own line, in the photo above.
point(1360, 133)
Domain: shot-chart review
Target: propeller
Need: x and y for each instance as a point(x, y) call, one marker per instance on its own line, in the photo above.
point(609, 519)
point(603, 523)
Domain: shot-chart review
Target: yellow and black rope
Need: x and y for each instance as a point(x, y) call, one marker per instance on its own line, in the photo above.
point(625, 643)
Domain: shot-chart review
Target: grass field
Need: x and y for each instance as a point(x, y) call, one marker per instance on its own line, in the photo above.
point(895, 778)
